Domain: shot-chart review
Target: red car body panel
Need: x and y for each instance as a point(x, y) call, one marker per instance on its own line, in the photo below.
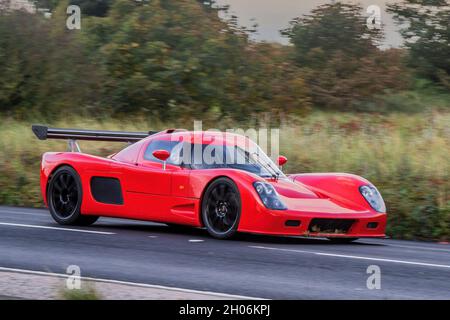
point(174, 194)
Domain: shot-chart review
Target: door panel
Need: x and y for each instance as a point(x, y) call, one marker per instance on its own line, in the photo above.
point(154, 193)
point(149, 178)
point(143, 185)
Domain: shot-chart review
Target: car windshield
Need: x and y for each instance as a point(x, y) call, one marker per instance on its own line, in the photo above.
point(209, 156)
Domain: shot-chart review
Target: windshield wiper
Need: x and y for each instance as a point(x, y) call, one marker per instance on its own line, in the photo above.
point(267, 166)
point(277, 173)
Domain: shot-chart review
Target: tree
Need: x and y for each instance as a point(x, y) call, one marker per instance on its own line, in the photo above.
point(334, 27)
point(43, 66)
point(176, 59)
point(425, 25)
point(167, 59)
point(97, 8)
point(269, 84)
point(164, 57)
point(339, 58)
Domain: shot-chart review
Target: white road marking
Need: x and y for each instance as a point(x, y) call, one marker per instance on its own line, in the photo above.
point(43, 213)
point(196, 240)
point(153, 237)
point(418, 247)
point(425, 264)
point(52, 228)
point(136, 284)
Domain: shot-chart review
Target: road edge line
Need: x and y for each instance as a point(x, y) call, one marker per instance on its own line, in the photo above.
point(129, 283)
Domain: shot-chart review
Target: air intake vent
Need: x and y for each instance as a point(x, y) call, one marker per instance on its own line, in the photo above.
point(339, 226)
point(292, 223)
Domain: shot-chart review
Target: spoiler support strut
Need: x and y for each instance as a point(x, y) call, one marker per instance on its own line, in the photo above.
point(73, 146)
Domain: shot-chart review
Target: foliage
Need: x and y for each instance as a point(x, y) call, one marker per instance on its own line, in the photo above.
point(164, 59)
point(426, 28)
point(42, 67)
point(87, 292)
point(334, 28)
point(339, 57)
point(97, 8)
point(343, 83)
point(423, 95)
point(167, 57)
point(180, 60)
point(405, 156)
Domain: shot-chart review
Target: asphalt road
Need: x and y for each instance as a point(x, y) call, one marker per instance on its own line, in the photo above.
point(253, 266)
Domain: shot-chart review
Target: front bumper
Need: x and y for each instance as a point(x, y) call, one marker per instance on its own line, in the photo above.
point(365, 224)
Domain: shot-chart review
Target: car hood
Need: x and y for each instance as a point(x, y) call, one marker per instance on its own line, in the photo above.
point(290, 189)
point(298, 196)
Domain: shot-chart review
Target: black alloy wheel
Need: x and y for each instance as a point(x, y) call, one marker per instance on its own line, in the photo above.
point(221, 208)
point(64, 197)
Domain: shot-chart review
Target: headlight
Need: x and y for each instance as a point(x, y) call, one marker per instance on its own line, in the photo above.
point(269, 196)
point(373, 197)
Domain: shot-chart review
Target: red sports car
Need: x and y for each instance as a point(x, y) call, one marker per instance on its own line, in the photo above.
point(166, 177)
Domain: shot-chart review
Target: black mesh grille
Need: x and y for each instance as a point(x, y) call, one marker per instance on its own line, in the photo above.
point(330, 225)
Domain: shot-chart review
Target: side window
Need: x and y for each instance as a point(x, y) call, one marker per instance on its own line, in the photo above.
point(129, 154)
point(174, 147)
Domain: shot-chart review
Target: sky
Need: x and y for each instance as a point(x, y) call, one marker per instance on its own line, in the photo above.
point(273, 15)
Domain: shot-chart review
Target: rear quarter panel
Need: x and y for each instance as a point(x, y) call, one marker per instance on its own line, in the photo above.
point(86, 167)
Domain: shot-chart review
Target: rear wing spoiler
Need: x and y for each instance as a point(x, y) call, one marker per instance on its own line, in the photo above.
point(44, 133)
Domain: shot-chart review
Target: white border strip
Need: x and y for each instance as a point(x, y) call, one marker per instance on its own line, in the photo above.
point(135, 284)
point(52, 228)
point(425, 264)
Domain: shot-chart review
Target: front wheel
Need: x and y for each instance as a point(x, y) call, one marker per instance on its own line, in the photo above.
point(221, 208)
point(64, 197)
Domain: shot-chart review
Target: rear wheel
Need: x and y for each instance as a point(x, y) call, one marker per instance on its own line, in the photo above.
point(342, 240)
point(221, 208)
point(64, 198)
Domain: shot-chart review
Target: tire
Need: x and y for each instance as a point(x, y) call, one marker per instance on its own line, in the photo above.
point(221, 208)
point(342, 240)
point(64, 196)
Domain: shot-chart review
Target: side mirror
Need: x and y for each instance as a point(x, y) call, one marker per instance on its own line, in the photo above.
point(282, 160)
point(162, 155)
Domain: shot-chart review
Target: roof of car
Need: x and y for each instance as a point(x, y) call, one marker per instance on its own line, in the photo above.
point(203, 137)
